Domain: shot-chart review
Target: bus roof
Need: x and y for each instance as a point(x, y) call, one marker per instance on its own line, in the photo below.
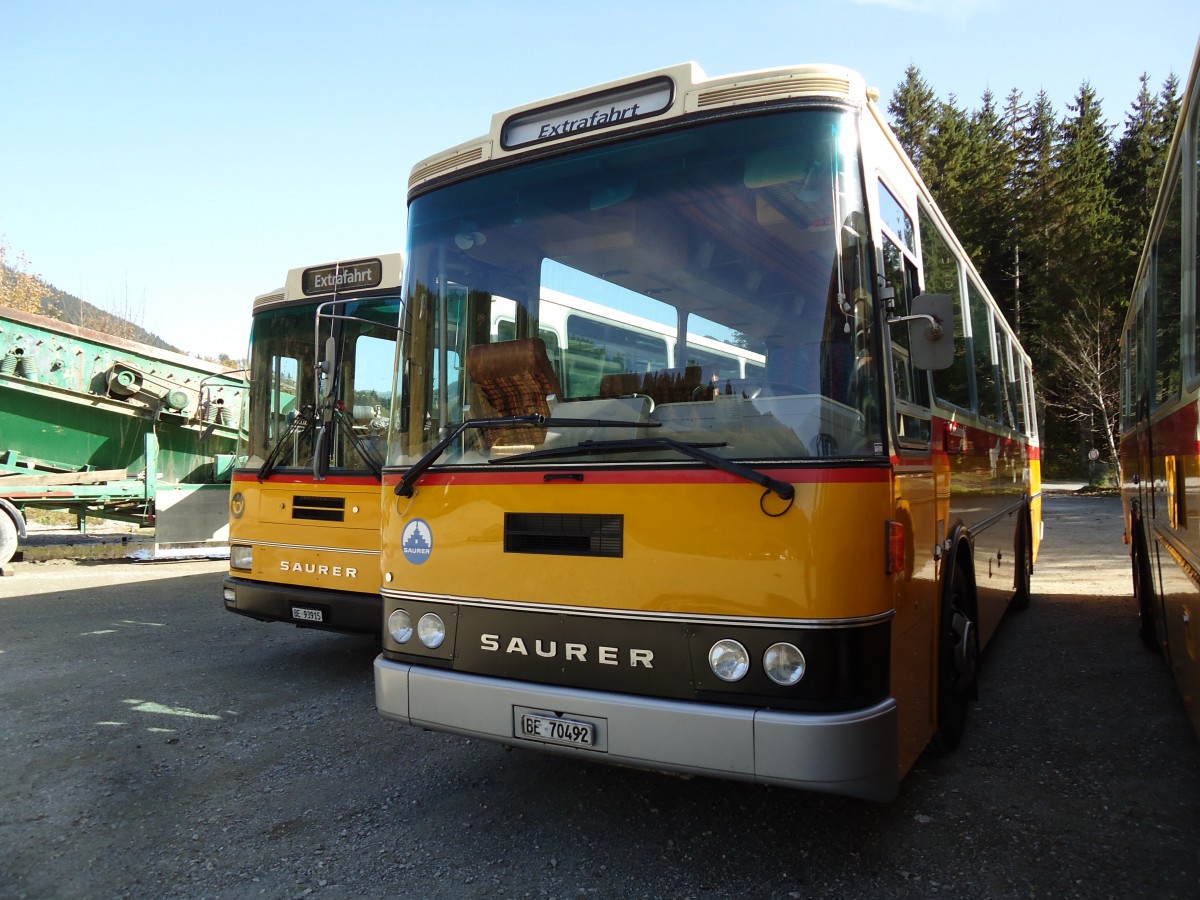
point(663, 94)
point(384, 270)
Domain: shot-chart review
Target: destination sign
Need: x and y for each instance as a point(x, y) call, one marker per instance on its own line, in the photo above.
point(365, 273)
point(590, 113)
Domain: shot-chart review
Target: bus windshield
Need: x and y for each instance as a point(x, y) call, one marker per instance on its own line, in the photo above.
point(707, 285)
point(285, 409)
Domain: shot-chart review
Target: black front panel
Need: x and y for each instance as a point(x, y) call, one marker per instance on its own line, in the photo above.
point(847, 668)
point(564, 534)
point(319, 509)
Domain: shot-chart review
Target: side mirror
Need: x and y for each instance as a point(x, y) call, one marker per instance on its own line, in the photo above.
point(327, 367)
point(931, 331)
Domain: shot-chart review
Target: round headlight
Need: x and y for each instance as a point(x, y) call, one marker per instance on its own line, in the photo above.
point(729, 660)
point(431, 630)
point(784, 663)
point(400, 626)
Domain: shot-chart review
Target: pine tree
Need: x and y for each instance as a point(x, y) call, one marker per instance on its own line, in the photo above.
point(1085, 382)
point(1135, 177)
point(913, 109)
point(1168, 114)
point(987, 213)
point(1017, 133)
point(944, 166)
point(1034, 204)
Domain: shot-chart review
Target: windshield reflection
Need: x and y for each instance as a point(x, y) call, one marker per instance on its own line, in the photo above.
point(708, 285)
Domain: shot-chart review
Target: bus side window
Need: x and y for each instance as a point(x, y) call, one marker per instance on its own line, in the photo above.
point(983, 352)
point(952, 385)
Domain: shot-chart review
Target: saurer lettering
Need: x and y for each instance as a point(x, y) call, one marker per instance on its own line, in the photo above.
point(567, 651)
point(318, 569)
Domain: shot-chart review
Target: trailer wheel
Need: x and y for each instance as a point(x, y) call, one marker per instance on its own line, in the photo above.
point(8, 538)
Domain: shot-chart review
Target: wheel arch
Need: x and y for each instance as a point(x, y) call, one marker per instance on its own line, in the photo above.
point(960, 551)
point(17, 518)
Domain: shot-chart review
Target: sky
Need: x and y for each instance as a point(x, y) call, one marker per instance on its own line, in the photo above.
point(169, 161)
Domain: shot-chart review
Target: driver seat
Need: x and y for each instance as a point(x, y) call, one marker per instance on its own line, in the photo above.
point(512, 378)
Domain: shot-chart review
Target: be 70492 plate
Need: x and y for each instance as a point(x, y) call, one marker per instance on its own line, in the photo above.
point(556, 730)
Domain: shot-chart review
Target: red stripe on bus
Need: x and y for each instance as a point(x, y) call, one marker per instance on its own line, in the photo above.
point(848, 475)
point(1172, 435)
point(247, 477)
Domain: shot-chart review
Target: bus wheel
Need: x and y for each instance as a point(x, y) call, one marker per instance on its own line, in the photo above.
point(1024, 567)
point(8, 538)
point(1143, 591)
point(958, 661)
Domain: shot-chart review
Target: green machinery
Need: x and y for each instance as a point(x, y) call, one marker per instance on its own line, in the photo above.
point(110, 428)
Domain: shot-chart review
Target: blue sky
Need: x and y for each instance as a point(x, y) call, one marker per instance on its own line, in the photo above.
point(174, 159)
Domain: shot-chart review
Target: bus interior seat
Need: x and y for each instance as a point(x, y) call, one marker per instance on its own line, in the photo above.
point(678, 385)
point(513, 378)
point(620, 384)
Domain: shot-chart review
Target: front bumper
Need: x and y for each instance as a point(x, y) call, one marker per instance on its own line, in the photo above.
point(342, 611)
point(847, 753)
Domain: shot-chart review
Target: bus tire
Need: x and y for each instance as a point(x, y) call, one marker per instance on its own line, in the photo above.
point(8, 538)
point(1023, 552)
point(1143, 589)
point(958, 663)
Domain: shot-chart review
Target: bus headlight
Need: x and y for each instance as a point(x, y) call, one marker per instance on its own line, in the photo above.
point(431, 630)
point(784, 664)
point(729, 660)
point(241, 556)
point(400, 626)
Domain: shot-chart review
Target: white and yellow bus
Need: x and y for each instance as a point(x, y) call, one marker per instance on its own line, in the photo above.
point(304, 502)
point(751, 502)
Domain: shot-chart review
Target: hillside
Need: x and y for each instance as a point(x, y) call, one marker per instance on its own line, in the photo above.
point(24, 291)
point(68, 308)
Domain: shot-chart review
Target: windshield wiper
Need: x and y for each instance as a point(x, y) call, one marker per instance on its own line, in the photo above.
point(694, 450)
point(340, 421)
point(405, 487)
point(300, 425)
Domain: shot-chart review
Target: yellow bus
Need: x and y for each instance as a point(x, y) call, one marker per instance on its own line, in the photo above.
point(1160, 415)
point(304, 499)
point(769, 547)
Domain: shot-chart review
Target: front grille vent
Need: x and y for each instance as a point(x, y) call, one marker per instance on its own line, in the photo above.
point(564, 534)
point(319, 509)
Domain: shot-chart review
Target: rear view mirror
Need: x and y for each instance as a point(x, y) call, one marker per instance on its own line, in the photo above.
point(931, 331)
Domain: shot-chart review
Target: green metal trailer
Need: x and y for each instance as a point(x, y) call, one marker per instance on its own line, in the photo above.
point(110, 428)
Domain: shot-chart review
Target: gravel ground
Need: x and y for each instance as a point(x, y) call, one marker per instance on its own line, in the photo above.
point(154, 745)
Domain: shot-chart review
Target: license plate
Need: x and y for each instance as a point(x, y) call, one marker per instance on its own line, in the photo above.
point(556, 730)
point(307, 615)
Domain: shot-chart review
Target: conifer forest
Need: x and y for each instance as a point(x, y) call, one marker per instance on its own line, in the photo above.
point(1052, 206)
